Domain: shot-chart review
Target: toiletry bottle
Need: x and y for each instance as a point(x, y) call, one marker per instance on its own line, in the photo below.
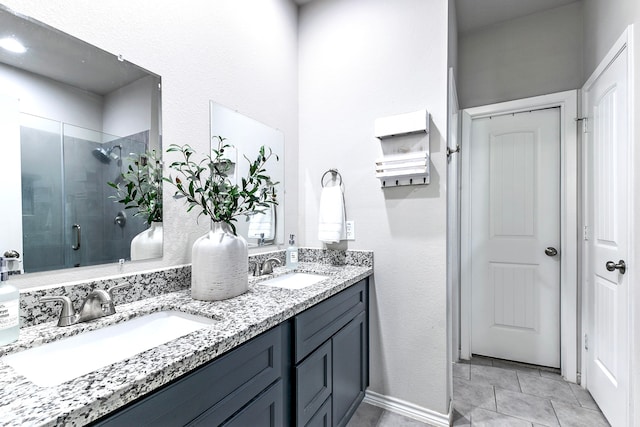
point(9, 307)
point(292, 254)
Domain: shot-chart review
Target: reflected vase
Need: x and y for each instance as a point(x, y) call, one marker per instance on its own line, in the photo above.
point(147, 244)
point(220, 264)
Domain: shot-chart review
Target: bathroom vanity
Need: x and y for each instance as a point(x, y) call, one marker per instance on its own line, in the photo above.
point(273, 357)
point(261, 384)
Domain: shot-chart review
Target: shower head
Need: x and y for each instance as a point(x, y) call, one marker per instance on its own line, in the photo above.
point(100, 154)
point(105, 156)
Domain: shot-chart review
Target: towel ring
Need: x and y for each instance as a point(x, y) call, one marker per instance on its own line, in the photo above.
point(333, 172)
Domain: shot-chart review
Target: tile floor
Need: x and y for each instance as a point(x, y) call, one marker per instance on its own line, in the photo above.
point(372, 416)
point(492, 392)
point(496, 393)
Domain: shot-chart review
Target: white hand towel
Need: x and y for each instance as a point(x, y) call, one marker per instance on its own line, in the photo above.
point(263, 223)
point(331, 219)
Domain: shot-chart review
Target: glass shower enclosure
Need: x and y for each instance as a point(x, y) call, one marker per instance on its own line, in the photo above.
point(69, 215)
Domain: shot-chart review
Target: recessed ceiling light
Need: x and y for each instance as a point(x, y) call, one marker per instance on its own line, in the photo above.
point(12, 45)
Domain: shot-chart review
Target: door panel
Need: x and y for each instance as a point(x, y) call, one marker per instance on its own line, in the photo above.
point(606, 195)
point(512, 184)
point(515, 199)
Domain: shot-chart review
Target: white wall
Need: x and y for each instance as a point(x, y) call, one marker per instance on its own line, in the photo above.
point(453, 205)
point(11, 194)
point(360, 60)
point(604, 22)
point(127, 110)
point(241, 53)
point(51, 99)
point(534, 55)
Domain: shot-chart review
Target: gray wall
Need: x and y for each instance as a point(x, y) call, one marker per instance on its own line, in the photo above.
point(360, 60)
point(534, 55)
point(604, 22)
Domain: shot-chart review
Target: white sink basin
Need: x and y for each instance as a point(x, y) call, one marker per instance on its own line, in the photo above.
point(294, 280)
point(59, 361)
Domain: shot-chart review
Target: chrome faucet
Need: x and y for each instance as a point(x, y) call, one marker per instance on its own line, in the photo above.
point(266, 267)
point(99, 303)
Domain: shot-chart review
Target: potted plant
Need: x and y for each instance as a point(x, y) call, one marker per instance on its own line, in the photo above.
point(140, 189)
point(219, 267)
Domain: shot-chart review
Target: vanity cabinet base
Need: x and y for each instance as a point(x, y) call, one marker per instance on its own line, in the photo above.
point(217, 390)
point(332, 356)
point(309, 371)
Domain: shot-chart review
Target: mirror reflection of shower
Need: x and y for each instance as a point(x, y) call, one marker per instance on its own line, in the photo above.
point(65, 170)
point(105, 156)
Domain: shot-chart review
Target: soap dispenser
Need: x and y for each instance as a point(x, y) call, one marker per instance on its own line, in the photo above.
point(9, 307)
point(292, 254)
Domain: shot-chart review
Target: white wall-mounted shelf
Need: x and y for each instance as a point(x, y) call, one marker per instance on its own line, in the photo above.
point(402, 124)
point(403, 169)
point(405, 160)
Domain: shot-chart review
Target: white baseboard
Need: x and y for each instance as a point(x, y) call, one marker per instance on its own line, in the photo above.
point(407, 409)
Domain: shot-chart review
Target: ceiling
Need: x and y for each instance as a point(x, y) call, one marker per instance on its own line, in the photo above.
point(63, 58)
point(475, 14)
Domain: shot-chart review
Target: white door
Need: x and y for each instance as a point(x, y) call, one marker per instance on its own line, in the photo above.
point(607, 150)
point(515, 236)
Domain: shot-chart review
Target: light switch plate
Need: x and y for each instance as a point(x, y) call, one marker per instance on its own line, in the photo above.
point(351, 230)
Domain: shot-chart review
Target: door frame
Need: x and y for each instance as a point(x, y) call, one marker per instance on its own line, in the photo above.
point(624, 41)
point(567, 102)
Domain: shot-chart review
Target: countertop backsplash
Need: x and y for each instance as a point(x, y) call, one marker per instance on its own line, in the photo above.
point(90, 396)
point(158, 282)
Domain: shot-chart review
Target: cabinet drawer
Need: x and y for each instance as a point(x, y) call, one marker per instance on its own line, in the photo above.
point(316, 325)
point(322, 418)
point(224, 385)
point(267, 410)
point(313, 382)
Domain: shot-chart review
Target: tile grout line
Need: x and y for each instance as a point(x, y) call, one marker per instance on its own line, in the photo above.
point(577, 399)
point(495, 397)
point(518, 379)
point(554, 412)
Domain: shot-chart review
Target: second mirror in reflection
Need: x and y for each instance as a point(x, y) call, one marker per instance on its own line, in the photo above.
point(247, 135)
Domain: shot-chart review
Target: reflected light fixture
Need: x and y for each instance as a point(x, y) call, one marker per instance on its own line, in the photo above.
point(13, 45)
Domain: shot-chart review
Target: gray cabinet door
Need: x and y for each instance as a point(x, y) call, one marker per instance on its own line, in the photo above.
point(313, 382)
point(350, 367)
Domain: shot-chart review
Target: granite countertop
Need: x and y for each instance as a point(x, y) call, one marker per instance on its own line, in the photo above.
point(87, 398)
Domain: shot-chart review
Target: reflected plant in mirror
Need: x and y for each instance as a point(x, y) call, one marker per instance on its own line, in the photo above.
point(69, 115)
point(140, 189)
point(247, 135)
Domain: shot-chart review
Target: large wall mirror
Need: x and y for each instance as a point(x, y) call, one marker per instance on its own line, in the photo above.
point(247, 136)
point(72, 119)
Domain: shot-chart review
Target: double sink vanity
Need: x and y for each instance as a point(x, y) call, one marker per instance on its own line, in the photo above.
point(293, 350)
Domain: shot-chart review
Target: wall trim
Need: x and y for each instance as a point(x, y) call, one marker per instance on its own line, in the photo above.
point(408, 409)
point(569, 328)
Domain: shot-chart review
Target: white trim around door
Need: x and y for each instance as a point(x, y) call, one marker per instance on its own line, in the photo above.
point(567, 102)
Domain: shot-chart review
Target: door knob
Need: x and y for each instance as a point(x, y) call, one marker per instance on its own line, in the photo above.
point(621, 266)
point(551, 251)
